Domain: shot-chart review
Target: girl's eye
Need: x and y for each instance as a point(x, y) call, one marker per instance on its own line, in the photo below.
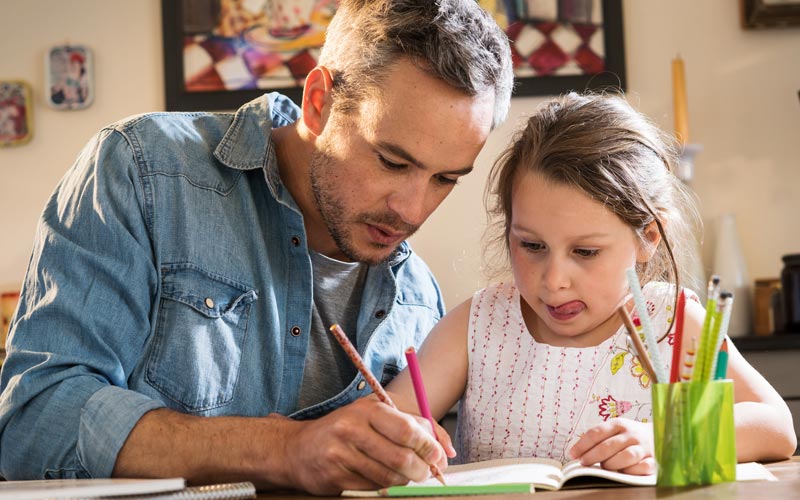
point(391, 165)
point(586, 252)
point(532, 246)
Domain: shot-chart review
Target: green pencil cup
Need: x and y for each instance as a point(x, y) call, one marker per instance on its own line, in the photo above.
point(694, 433)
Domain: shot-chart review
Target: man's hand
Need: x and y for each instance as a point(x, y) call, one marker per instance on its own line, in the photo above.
point(619, 444)
point(364, 445)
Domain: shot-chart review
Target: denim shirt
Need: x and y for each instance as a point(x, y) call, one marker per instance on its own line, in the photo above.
point(170, 269)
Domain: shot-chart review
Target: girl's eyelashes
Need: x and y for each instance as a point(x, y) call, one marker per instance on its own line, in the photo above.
point(587, 252)
point(532, 246)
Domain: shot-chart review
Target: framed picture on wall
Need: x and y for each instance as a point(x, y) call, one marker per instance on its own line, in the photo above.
point(218, 54)
point(758, 14)
point(70, 77)
point(16, 124)
point(562, 45)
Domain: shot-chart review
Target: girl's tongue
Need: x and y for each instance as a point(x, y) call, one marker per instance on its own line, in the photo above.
point(568, 310)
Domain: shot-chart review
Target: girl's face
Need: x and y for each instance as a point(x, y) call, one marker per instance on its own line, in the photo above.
point(569, 254)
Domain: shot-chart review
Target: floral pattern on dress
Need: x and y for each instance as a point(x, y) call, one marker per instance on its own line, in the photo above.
point(609, 407)
point(638, 372)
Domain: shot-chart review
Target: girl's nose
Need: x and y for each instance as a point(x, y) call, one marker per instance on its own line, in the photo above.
point(556, 276)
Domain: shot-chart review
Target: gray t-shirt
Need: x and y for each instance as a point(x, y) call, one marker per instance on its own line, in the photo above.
point(337, 299)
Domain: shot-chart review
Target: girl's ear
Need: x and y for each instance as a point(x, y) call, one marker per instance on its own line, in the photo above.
point(652, 237)
point(316, 99)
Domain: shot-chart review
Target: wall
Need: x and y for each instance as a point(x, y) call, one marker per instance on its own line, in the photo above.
point(125, 38)
point(742, 88)
point(743, 107)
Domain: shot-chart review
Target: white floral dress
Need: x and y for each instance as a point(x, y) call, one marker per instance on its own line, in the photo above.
point(527, 399)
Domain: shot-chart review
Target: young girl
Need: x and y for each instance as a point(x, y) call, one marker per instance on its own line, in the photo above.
point(542, 365)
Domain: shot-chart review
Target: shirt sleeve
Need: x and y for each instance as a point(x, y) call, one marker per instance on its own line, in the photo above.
point(82, 323)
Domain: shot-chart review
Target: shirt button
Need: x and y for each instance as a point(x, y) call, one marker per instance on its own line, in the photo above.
point(296, 331)
point(209, 302)
point(295, 240)
point(361, 385)
point(380, 314)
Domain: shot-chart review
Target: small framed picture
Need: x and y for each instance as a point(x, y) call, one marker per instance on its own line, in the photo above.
point(16, 123)
point(70, 77)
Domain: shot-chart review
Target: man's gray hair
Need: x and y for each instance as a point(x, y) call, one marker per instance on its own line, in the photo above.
point(454, 40)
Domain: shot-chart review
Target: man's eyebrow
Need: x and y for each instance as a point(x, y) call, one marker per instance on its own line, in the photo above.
point(402, 153)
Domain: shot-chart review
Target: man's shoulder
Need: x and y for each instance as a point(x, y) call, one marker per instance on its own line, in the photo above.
point(206, 127)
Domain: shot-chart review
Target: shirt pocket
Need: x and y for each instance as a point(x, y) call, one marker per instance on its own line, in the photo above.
point(201, 329)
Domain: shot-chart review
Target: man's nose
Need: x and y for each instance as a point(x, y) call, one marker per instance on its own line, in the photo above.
point(410, 202)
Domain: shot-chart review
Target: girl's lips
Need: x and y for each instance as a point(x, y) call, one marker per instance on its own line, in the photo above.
point(383, 236)
point(567, 310)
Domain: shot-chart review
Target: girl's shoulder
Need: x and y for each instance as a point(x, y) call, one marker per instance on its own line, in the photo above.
point(495, 290)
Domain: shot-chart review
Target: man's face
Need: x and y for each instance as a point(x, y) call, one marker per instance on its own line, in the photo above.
point(378, 174)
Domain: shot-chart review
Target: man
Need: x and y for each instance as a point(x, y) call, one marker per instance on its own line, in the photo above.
point(188, 266)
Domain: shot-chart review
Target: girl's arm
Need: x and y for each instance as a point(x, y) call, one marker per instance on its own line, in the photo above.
point(443, 362)
point(764, 428)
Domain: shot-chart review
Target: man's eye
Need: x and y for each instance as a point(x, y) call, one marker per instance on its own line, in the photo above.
point(446, 181)
point(391, 165)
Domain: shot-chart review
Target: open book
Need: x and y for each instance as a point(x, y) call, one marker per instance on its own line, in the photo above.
point(517, 475)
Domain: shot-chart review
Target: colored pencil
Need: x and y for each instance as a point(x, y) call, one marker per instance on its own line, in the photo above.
point(659, 368)
point(706, 344)
point(641, 353)
point(675, 367)
point(726, 304)
point(419, 388)
point(352, 353)
point(722, 362)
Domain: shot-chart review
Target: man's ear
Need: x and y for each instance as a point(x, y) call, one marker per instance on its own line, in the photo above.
point(652, 237)
point(316, 99)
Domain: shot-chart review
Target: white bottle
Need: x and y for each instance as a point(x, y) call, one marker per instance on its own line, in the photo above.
point(729, 265)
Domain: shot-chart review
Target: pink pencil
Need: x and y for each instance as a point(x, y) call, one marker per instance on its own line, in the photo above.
point(419, 387)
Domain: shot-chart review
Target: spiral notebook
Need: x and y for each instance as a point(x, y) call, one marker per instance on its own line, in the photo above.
point(123, 489)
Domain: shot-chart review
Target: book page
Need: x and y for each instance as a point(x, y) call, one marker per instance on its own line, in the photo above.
point(541, 472)
point(546, 474)
point(573, 470)
point(753, 471)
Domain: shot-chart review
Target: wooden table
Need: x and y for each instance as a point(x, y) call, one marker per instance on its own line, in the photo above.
point(787, 486)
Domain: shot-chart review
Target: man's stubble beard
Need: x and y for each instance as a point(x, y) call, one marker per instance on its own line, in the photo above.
point(334, 214)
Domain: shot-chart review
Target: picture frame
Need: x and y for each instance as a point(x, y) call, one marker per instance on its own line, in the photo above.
point(759, 14)
point(69, 73)
point(565, 45)
point(215, 59)
point(16, 112)
point(219, 54)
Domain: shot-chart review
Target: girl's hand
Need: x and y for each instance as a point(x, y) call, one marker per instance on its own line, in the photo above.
point(619, 444)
